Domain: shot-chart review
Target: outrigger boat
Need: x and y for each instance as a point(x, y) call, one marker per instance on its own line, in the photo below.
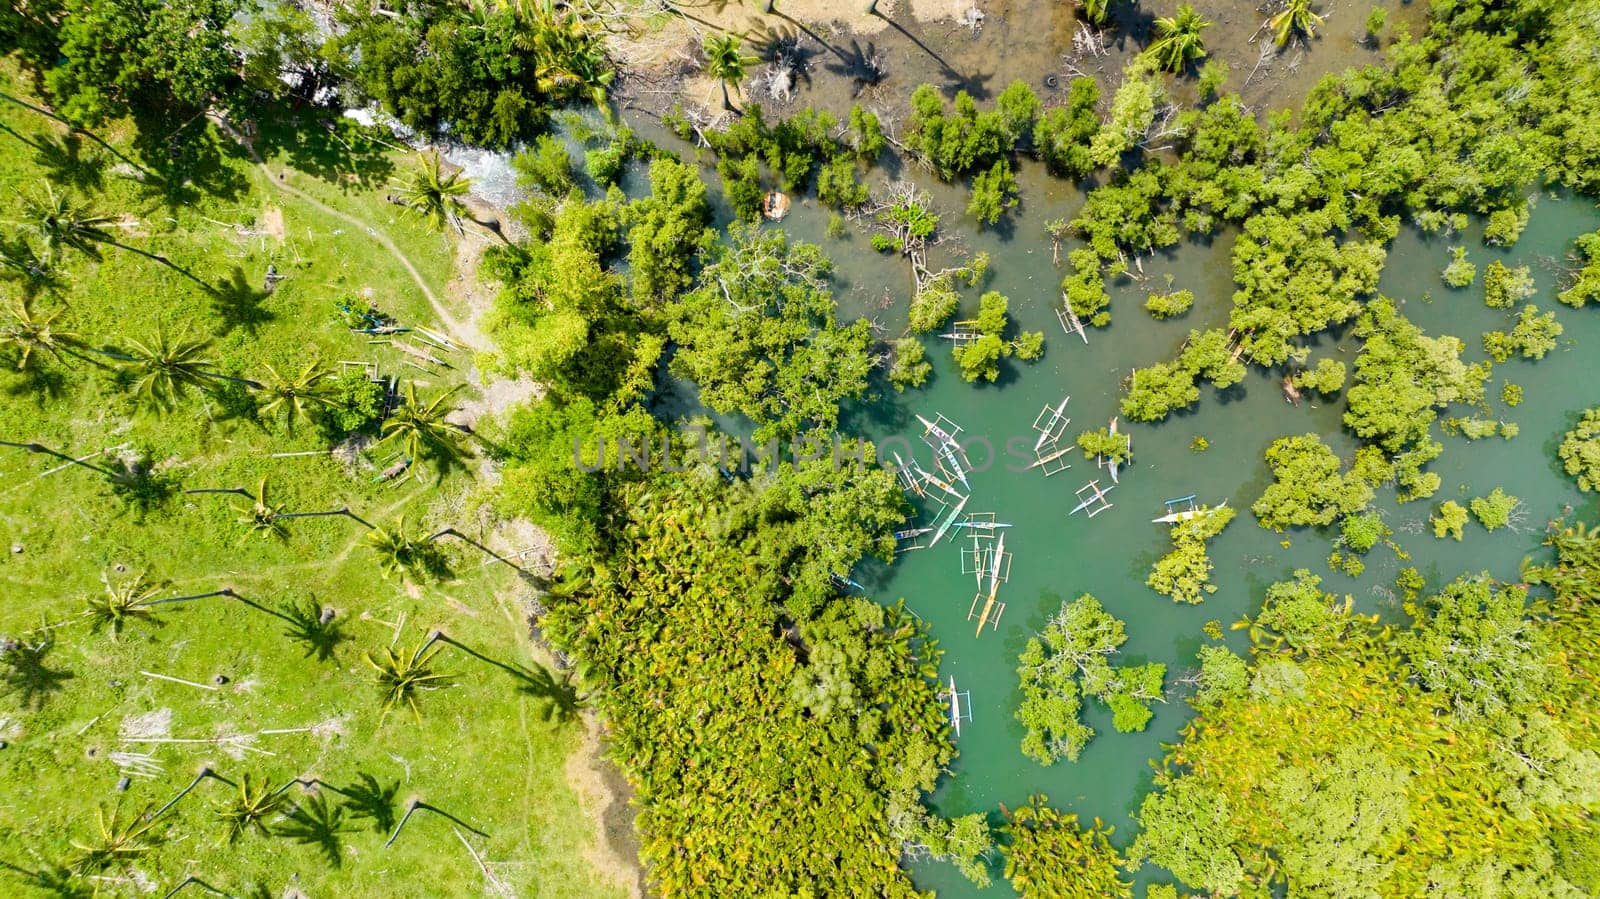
point(945, 443)
point(907, 474)
point(994, 590)
point(981, 525)
point(942, 485)
point(911, 534)
point(1111, 464)
point(1185, 514)
point(844, 582)
point(1096, 495)
point(957, 715)
point(1053, 424)
point(949, 522)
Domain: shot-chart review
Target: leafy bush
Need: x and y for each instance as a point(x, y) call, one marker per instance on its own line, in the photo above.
point(1449, 520)
point(1495, 510)
point(1167, 305)
point(1580, 451)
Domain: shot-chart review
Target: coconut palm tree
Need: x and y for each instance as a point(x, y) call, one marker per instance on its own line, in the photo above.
point(438, 197)
point(120, 604)
point(64, 223)
point(726, 61)
point(435, 196)
point(29, 331)
point(1295, 19)
point(262, 516)
point(404, 676)
point(404, 553)
point(45, 450)
point(251, 804)
point(1177, 42)
point(294, 395)
point(165, 368)
point(135, 601)
point(118, 841)
point(569, 53)
point(422, 428)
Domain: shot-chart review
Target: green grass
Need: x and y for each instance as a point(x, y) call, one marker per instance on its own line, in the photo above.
point(483, 752)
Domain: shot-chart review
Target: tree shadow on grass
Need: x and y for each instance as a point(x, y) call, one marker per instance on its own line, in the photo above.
point(237, 301)
point(372, 800)
point(64, 161)
point(23, 672)
point(322, 143)
point(315, 822)
point(312, 629)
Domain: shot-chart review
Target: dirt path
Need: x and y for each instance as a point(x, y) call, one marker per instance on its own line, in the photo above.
point(453, 327)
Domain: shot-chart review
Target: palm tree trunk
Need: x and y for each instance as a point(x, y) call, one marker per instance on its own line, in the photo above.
point(452, 532)
point(253, 385)
point(413, 806)
point(80, 131)
point(328, 514)
point(41, 448)
point(157, 257)
point(440, 637)
point(726, 103)
point(204, 773)
point(18, 135)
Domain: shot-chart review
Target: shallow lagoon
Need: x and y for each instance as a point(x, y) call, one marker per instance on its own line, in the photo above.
point(1058, 556)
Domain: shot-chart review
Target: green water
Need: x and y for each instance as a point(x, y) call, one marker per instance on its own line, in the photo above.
point(1057, 556)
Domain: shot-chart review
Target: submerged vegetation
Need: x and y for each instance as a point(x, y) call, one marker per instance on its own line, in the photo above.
point(250, 524)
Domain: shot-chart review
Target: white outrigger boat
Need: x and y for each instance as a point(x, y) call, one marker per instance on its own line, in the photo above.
point(945, 444)
point(1096, 495)
point(1050, 424)
point(949, 522)
point(1185, 514)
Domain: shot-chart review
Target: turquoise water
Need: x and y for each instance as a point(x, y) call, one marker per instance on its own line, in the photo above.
point(1058, 556)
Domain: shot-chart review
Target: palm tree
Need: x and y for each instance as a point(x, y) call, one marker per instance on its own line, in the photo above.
point(165, 368)
point(569, 53)
point(248, 808)
point(422, 429)
point(438, 197)
point(1296, 19)
point(725, 61)
point(260, 516)
point(120, 604)
point(1177, 41)
point(64, 223)
point(119, 842)
point(29, 331)
point(294, 395)
point(403, 676)
point(403, 553)
point(434, 195)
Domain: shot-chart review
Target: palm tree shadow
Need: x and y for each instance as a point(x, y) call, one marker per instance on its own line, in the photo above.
point(45, 384)
point(558, 698)
point(311, 628)
point(314, 822)
point(859, 63)
point(64, 161)
point(372, 800)
point(237, 302)
point(26, 674)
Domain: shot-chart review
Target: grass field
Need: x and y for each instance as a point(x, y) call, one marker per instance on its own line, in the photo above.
point(83, 710)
